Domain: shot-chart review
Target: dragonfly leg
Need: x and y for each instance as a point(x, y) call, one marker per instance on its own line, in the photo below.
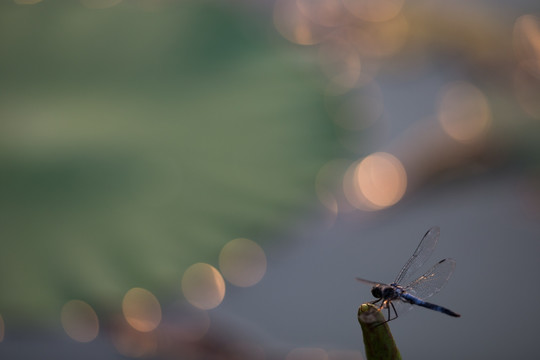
point(376, 301)
point(395, 312)
point(388, 304)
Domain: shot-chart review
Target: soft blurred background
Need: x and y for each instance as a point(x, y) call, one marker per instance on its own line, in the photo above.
point(203, 179)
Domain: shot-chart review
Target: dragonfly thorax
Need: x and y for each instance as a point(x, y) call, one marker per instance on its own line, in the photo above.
point(386, 292)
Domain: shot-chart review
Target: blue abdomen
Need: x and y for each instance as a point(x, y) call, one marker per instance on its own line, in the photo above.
point(414, 300)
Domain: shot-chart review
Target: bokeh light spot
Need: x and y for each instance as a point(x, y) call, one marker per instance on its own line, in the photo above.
point(141, 309)
point(376, 182)
point(242, 262)
point(295, 26)
point(379, 40)
point(203, 286)
point(527, 43)
point(307, 354)
point(374, 10)
point(340, 61)
point(464, 112)
point(323, 12)
point(79, 321)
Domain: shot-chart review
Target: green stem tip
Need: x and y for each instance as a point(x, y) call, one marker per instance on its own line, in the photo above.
point(378, 339)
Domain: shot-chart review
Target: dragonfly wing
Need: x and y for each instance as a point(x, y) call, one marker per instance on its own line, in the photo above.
point(420, 255)
point(368, 282)
point(402, 307)
point(432, 281)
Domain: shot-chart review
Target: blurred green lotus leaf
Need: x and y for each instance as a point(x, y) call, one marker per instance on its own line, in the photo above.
point(135, 143)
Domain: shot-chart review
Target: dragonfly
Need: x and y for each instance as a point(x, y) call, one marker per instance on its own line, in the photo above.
point(404, 291)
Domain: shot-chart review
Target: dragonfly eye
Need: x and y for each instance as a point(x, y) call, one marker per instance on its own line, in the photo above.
point(376, 292)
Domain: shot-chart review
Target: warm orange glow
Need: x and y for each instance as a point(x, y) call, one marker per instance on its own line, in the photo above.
point(527, 77)
point(242, 262)
point(295, 26)
point(323, 12)
point(203, 286)
point(379, 40)
point(378, 181)
point(2, 328)
point(350, 189)
point(381, 179)
point(340, 61)
point(141, 309)
point(79, 321)
point(345, 355)
point(374, 10)
point(527, 43)
point(307, 354)
point(100, 4)
point(464, 112)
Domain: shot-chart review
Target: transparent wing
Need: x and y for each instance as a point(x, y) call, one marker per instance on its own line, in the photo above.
point(368, 282)
point(432, 281)
point(420, 255)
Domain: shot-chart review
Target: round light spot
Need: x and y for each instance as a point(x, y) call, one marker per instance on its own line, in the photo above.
point(374, 10)
point(526, 39)
point(379, 40)
point(79, 321)
point(340, 61)
point(376, 182)
point(323, 12)
point(464, 112)
point(295, 26)
point(203, 286)
point(141, 309)
point(242, 262)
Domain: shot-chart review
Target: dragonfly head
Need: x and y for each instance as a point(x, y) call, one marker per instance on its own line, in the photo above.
point(385, 292)
point(377, 292)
